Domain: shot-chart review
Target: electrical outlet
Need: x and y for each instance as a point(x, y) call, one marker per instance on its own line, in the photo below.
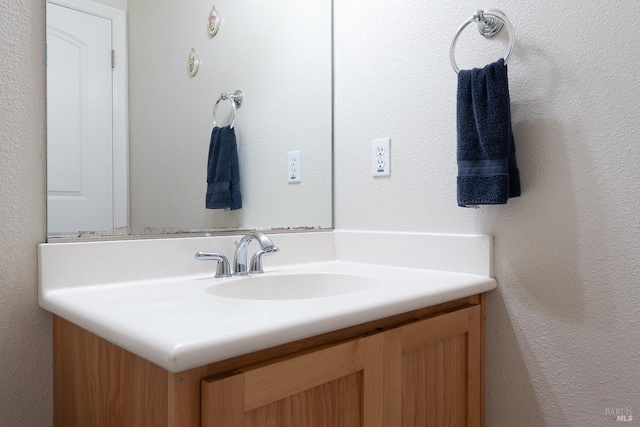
point(380, 157)
point(294, 167)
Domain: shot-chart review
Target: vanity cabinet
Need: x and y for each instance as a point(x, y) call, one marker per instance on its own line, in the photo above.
point(426, 373)
point(422, 368)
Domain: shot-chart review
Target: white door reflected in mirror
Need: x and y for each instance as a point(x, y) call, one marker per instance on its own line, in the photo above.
point(80, 137)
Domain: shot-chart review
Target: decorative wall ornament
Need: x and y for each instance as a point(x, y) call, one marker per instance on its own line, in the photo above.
point(193, 63)
point(213, 22)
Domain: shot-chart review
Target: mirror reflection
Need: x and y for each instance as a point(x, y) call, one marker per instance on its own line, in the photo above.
point(129, 132)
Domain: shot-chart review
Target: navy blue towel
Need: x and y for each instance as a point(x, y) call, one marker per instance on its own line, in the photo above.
point(223, 172)
point(487, 169)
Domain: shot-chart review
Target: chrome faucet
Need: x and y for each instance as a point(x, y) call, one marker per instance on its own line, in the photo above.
point(242, 246)
point(223, 264)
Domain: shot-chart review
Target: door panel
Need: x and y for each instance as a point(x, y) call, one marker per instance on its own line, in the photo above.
point(335, 387)
point(332, 404)
point(79, 121)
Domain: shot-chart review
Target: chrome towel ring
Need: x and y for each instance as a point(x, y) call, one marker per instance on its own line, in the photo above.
point(236, 99)
point(490, 22)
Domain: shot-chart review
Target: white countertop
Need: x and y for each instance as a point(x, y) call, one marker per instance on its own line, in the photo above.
point(175, 323)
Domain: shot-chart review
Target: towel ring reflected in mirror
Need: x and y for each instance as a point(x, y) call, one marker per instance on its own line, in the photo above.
point(490, 22)
point(236, 99)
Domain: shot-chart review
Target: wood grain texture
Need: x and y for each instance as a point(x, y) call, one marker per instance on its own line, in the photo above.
point(442, 370)
point(439, 327)
point(98, 384)
point(183, 395)
point(393, 399)
point(285, 378)
point(336, 403)
point(374, 386)
point(223, 402)
point(434, 384)
point(319, 388)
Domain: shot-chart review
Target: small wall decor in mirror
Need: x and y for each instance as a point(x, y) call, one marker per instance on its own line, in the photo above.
point(129, 130)
point(213, 21)
point(193, 63)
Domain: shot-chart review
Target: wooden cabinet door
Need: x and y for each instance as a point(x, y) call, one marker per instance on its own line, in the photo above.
point(424, 374)
point(434, 371)
point(339, 386)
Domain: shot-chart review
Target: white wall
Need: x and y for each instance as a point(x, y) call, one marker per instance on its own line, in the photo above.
point(563, 340)
point(25, 329)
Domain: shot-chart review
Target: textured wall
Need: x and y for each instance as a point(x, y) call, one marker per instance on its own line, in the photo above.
point(25, 329)
point(562, 329)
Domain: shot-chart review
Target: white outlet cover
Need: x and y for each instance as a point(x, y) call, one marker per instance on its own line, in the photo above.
point(381, 157)
point(294, 166)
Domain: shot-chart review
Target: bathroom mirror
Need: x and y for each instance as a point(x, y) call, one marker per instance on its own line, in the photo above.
point(278, 53)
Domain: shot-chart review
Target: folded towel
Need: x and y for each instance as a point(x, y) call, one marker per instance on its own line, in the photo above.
point(487, 169)
point(223, 172)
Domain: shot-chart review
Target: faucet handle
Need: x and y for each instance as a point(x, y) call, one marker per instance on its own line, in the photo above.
point(256, 259)
point(223, 269)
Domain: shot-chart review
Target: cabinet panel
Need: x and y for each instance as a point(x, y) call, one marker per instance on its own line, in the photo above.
point(332, 387)
point(434, 391)
point(440, 370)
point(333, 404)
point(281, 379)
point(97, 384)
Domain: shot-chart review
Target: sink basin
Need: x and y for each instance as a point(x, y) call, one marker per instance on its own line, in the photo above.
point(292, 286)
